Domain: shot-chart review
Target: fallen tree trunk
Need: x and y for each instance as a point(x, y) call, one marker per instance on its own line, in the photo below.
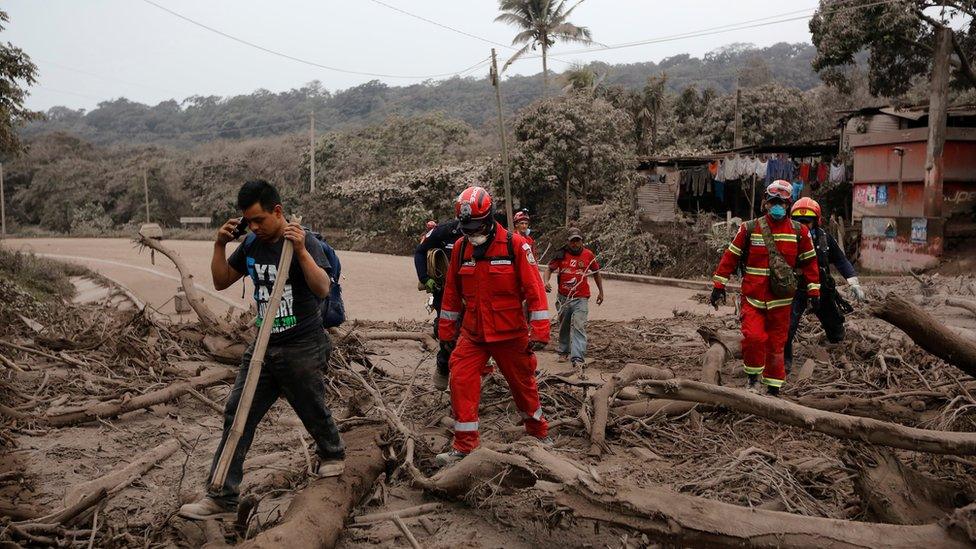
point(831, 423)
point(117, 480)
point(318, 513)
point(862, 407)
point(927, 332)
point(967, 304)
point(426, 340)
point(206, 316)
point(896, 494)
point(601, 399)
point(104, 410)
point(698, 522)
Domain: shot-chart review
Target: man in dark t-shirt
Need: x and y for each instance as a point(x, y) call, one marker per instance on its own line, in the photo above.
point(298, 349)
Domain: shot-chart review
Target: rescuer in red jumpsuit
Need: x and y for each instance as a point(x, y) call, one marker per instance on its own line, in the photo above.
point(491, 273)
point(765, 316)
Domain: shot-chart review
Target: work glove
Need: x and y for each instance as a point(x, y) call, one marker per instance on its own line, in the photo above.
point(718, 294)
point(537, 345)
point(815, 304)
point(431, 285)
point(856, 289)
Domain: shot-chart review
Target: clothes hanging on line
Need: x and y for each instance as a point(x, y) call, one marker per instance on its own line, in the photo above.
point(838, 173)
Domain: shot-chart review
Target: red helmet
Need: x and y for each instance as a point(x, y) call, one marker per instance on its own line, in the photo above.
point(474, 209)
point(806, 207)
point(521, 216)
point(781, 189)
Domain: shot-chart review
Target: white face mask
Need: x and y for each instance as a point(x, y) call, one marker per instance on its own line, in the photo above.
point(478, 240)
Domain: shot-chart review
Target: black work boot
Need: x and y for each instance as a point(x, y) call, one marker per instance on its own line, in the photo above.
point(753, 384)
point(772, 391)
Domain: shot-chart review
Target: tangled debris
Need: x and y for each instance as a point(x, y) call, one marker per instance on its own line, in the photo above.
point(109, 420)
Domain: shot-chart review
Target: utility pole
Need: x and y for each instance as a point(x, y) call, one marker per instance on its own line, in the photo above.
point(496, 82)
point(737, 131)
point(311, 151)
point(145, 190)
point(3, 207)
point(938, 99)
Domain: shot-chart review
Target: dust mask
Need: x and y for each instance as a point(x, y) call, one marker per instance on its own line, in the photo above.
point(778, 211)
point(478, 240)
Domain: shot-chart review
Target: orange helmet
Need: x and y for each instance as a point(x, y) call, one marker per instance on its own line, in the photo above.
point(806, 207)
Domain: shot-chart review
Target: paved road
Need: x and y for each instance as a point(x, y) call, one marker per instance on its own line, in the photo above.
point(375, 286)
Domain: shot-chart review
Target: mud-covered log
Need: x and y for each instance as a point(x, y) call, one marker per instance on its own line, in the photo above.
point(114, 408)
point(967, 304)
point(691, 521)
point(318, 513)
point(426, 340)
point(927, 332)
point(124, 476)
point(831, 423)
point(480, 466)
point(601, 398)
point(894, 493)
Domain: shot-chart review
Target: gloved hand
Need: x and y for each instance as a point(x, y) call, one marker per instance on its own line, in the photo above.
point(718, 294)
point(815, 304)
point(548, 288)
point(537, 345)
point(856, 289)
point(431, 285)
point(449, 345)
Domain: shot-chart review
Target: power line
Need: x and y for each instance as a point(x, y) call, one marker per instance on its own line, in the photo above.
point(452, 29)
point(101, 77)
point(297, 59)
point(717, 30)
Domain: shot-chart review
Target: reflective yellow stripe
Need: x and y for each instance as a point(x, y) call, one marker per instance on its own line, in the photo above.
point(721, 279)
point(813, 286)
point(773, 382)
point(807, 255)
point(769, 304)
point(757, 271)
point(735, 249)
point(784, 237)
point(756, 303)
point(753, 370)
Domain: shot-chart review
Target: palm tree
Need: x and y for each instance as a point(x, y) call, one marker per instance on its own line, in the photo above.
point(541, 23)
point(580, 78)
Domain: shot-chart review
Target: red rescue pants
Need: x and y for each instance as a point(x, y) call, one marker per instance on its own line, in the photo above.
point(516, 362)
point(764, 333)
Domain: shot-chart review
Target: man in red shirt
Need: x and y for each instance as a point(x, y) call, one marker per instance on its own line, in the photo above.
point(492, 272)
point(522, 227)
point(765, 315)
point(572, 265)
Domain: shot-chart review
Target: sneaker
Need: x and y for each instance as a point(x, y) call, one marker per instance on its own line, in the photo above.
point(451, 457)
point(441, 381)
point(578, 366)
point(207, 509)
point(563, 357)
point(325, 468)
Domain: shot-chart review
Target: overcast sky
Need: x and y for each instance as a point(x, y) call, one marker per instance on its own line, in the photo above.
point(92, 50)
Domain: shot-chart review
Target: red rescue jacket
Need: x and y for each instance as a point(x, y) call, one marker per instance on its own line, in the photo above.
point(796, 247)
point(490, 292)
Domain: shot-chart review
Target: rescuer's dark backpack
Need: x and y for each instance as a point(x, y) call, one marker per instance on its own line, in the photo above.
point(782, 278)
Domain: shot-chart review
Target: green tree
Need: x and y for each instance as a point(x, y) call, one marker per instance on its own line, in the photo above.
point(541, 23)
point(569, 145)
point(17, 72)
point(580, 79)
point(899, 38)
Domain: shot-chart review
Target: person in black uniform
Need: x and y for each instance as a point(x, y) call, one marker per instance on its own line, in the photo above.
point(441, 237)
